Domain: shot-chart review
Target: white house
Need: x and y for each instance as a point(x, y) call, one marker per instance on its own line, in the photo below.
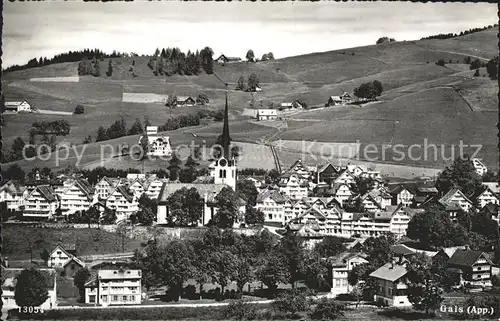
point(61, 254)
point(293, 187)
point(75, 195)
point(401, 195)
point(123, 201)
point(392, 285)
point(9, 278)
point(158, 145)
point(114, 287)
point(41, 202)
point(272, 204)
point(18, 106)
point(106, 186)
point(455, 200)
point(12, 194)
point(267, 114)
point(341, 192)
point(341, 266)
point(485, 196)
point(345, 177)
point(481, 169)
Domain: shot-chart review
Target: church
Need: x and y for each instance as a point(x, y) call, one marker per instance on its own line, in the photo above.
point(223, 173)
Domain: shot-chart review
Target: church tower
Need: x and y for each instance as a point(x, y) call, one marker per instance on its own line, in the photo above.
point(224, 169)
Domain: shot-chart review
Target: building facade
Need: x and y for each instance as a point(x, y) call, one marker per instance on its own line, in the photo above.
point(114, 287)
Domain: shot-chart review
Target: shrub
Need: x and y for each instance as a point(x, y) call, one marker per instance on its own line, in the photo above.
point(240, 310)
point(291, 303)
point(327, 310)
point(79, 109)
point(441, 62)
point(495, 280)
point(476, 74)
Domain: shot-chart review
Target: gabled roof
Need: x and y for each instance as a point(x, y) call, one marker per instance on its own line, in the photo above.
point(273, 194)
point(389, 272)
point(466, 257)
point(482, 190)
point(342, 258)
point(446, 199)
point(124, 191)
point(324, 167)
point(401, 249)
point(46, 192)
point(398, 189)
point(449, 251)
point(388, 213)
point(314, 211)
point(69, 247)
point(184, 98)
point(74, 259)
point(494, 186)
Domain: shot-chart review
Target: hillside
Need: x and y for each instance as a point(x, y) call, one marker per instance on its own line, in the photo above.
point(441, 104)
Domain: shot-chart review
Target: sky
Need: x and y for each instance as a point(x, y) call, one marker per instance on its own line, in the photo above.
point(36, 29)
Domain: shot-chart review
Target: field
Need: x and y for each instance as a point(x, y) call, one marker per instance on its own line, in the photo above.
point(421, 101)
point(16, 241)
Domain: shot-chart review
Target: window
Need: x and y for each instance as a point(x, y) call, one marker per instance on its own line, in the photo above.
point(115, 298)
point(124, 298)
point(337, 283)
point(92, 298)
point(73, 266)
point(104, 298)
point(132, 298)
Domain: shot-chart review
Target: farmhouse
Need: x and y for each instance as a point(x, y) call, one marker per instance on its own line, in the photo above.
point(75, 195)
point(341, 265)
point(123, 202)
point(272, 204)
point(114, 287)
point(105, 186)
point(41, 202)
point(392, 285)
point(72, 266)
point(225, 59)
point(285, 106)
point(267, 114)
point(293, 186)
point(454, 201)
point(472, 266)
point(185, 101)
point(158, 145)
point(61, 254)
point(298, 104)
point(341, 192)
point(401, 195)
point(18, 106)
point(484, 196)
point(12, 194)
point(9, 280)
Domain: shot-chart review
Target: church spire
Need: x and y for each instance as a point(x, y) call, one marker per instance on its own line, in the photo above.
point(226, 140)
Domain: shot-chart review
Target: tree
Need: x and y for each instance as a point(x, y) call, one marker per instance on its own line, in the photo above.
point(227, 204)
point(490, 176)
point(369, 90)
point(433, 228)
point(174, 167)
point(264, 57)
point(136, 128)
point(476, 64)
point(224, 263)
point(241, 83)
point(461, 174)
point(467, 60)
point(185, 207)
point(97, 69)
point(273, 272)
point(292, 248)
point(79, 109)
point(492, 68)
point(327, 309)
point(101, 134)
point(253, 215)
point(14, 172)
point(109, 216)
point(31, 288)
point(177, 265)
point(424, 291)
point(45, 256)
point(247, 191)
point(291, 303)
point(250, 55)
point(242, 272)
point(148, 209)
point(476, 73)
point(441, 62)
point(17, 147)
point(207, 62)
point(202, 99)
point(79, 279)
point(188, 174)
point(330, 246)
point(253, 82)
point(378, 87)
point(270, 56)
point(314, 270)
point(144, 145)
point(384, 39)
point(171, 101)
point(379, 249)
point(200, 262)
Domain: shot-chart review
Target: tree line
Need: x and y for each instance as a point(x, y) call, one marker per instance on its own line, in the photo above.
point(171, 61)
point(70, 56)
point(462, 33)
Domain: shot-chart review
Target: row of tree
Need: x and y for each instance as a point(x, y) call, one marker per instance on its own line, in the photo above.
point(369, 90)
point(172, 61)
point(462, 33)
point(248, 85)
point(70, 56)
point(55, 127)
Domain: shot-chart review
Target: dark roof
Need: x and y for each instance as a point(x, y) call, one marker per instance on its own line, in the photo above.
point(390, 272)
point(273, 194)
point(125, 192)
point(401, 249)
point(342, 258)
point(465, 257)
point(47, 192)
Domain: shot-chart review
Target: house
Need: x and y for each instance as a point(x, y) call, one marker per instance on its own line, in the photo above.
point(299, 104)
point(299, 169)
point(333, 101)
point(401, 195)
point(341, 192)
point(392, 285)
point(492, 211)
point(208, 192)
point(72, 265)
point(120, 286)
point(18, 106)
point(293, 186)
point(455, 201)
point(105, 187)
point(398, 220)
point(327, 173)
point(272, 204)
point(480, 168)
point(356, 170)
point(284, 106)
point(494, 186)
point(474, 267)
point(485, 196)
point(445, 253)
point(225, 59)
point(375, 200)
point(345, 177)
point(185, 101)
point(123, 202)
point(154, 187)
point(12, 194)
point(9, 280)
point(61, 254)
point(75, 195)
point(267, 114)
point(158, 145)
point(346, 97)
point(341, 265)
point(41, 202)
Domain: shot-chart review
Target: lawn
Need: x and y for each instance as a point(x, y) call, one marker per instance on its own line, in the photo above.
point(480, 93)
point(16, 241)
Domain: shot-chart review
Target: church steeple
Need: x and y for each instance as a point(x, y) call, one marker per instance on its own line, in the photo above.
point(225, 133)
